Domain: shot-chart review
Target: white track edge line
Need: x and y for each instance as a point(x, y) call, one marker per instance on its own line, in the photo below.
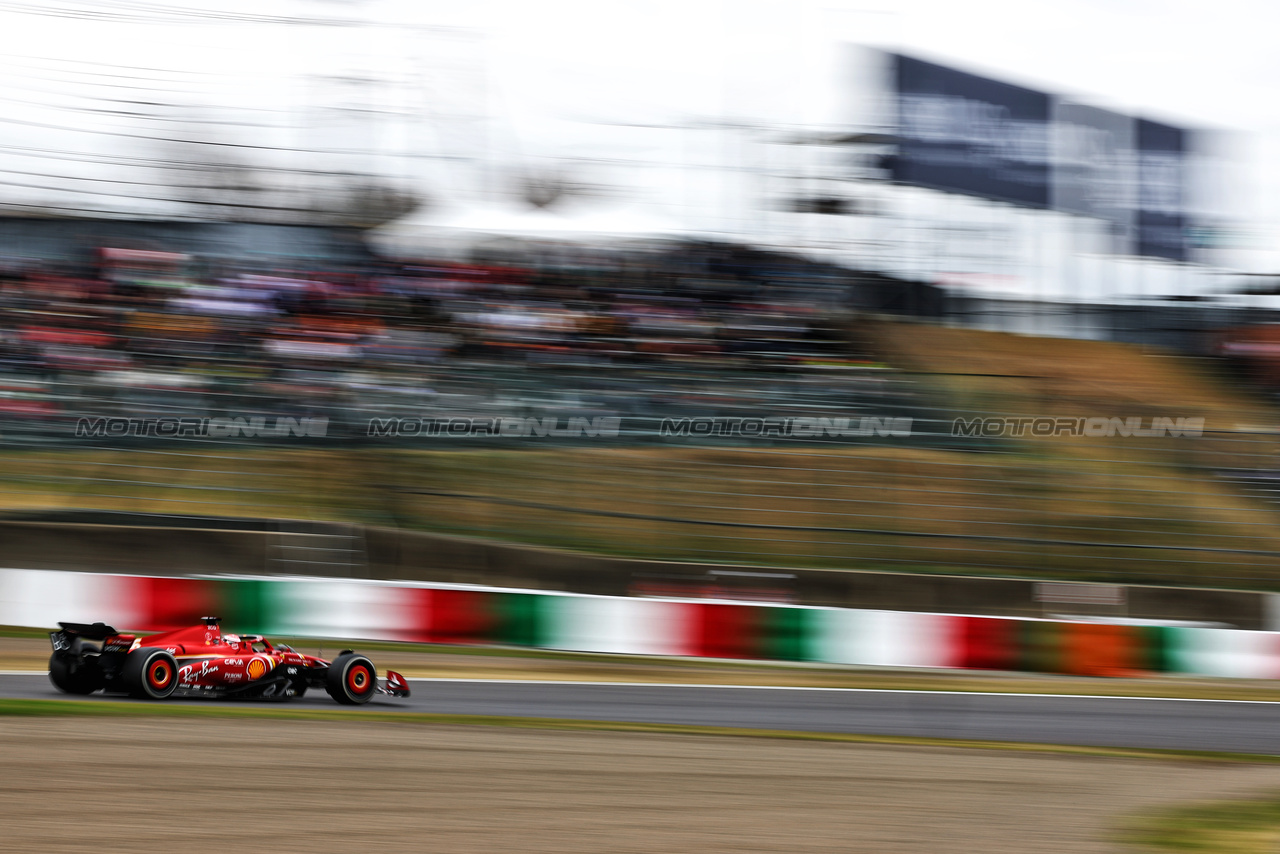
point(932, 691)
point(837, 689)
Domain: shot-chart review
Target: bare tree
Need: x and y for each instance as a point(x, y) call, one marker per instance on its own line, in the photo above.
point(550, 186)
point(217, 178)
point(367, 201)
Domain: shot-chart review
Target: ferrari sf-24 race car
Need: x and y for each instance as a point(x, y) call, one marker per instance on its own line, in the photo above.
point(202, 661)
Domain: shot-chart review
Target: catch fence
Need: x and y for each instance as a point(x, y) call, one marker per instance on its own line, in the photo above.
point(839, 466)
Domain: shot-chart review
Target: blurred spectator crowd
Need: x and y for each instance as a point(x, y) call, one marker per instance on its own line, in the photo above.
point(146, 333)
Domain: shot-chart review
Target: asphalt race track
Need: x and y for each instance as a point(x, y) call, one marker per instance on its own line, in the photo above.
point(1236, 726)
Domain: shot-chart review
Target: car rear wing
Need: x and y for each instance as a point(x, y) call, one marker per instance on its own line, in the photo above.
point(89, 631)
point(65, 639)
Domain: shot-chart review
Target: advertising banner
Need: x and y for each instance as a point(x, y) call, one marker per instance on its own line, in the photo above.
point(1162, 191)
point(1095, 168)
point(967, 134)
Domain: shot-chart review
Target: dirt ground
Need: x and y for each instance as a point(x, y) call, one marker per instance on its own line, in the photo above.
point(128, 785)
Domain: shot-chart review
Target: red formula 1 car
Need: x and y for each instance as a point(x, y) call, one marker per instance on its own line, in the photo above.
point(202, 661)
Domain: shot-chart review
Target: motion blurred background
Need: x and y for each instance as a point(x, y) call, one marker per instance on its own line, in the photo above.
point(311, 276)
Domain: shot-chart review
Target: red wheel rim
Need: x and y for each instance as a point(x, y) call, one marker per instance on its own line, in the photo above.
point(159, 674)
point(358, 679)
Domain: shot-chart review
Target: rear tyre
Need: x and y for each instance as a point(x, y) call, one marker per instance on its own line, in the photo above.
point(150, 674)
point(72, 674)
point(351, 680)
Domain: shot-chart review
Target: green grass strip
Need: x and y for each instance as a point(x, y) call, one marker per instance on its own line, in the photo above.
point(1230, 827)
point(82, 708)
point(21, 632)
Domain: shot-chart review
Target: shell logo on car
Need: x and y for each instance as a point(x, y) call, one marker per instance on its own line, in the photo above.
point(257, 667)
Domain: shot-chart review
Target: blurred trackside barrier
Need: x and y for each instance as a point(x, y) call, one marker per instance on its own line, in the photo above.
point(304, 607)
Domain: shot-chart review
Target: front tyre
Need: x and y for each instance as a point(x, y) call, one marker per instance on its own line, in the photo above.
point(150, 674)
point(351, 680)
point(72, 674)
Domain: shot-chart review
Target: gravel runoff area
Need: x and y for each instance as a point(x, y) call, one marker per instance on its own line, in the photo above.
point(252, 785)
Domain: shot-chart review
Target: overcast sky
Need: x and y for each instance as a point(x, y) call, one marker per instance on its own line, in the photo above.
point(1209, 65)
point(559, 77)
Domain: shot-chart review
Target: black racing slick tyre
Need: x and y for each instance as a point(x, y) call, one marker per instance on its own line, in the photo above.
point(150, 674)
point(71, 674)
point(351, 680)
